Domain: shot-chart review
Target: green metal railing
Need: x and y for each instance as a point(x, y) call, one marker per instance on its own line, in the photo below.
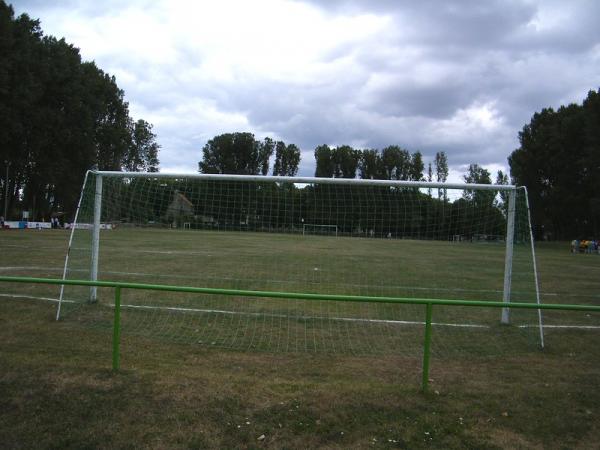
point(427, 302)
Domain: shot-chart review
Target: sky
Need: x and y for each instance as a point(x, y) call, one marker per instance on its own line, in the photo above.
point(462, 77)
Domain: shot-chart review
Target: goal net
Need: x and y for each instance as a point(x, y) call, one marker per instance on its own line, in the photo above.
point(305, 235)
point(325, 230)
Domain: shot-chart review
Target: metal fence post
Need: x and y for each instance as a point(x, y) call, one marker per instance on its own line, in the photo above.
point(117, 330)
point(427, 347)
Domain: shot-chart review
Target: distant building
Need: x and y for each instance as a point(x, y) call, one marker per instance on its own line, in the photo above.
point(180, 210)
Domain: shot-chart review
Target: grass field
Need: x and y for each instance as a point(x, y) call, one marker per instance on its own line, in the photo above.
point(302, 384)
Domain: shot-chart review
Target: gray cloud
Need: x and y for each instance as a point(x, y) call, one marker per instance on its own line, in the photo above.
point(461, 77)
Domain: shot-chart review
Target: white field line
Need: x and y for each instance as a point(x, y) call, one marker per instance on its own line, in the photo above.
point(575, 327)
point(283, 316)
point(347, 319)
point(189, 277)
point(220, 311)
point(108, 248)
point(59, 247)
point(33, 297)
point(48, 269)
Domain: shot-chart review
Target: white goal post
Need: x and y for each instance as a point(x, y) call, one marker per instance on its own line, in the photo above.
point(327, 206)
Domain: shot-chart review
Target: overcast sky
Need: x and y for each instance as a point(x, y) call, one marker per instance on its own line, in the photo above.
point(461, 77)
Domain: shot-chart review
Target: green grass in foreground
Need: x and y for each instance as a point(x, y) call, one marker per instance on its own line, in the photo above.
point(56, 389)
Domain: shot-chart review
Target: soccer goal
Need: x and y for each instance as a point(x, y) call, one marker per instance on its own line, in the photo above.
point(248, 232)
point(324, 230)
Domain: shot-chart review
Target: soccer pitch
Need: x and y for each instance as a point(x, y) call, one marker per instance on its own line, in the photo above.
point(285, 369)
point(302, 264)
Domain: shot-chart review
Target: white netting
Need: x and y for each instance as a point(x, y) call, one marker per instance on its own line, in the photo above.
point(314, 237)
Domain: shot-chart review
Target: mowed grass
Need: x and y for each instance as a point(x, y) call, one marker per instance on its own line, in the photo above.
point(297, 263)
point(57, 390)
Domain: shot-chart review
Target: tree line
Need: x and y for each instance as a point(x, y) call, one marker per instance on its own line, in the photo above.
point(59, 116)
point(348, 209)
point(241, 153)
point(401, 212)
point(559, 163)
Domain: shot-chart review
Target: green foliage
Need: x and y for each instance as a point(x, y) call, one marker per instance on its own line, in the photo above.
point(441, 167)
point(59, 116)
point(558, 162)
point(416, 167)
point(252, 206)
point(142, 154)
point(502, 179)
point(370, 165)
point(441, 172)
point(287, 159)
point(391, 163)
point(345, 161)
point(478, 175)
point(236, 153)
point(324, 162)
point(395, 163)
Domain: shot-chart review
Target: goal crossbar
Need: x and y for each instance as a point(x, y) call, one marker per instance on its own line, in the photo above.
point(308, 180)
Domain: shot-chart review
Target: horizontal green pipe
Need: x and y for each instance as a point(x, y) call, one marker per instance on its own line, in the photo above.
point(301, 296)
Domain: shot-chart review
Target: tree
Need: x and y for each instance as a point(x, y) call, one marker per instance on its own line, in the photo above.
point(59, 116)
point(370, 165)
point(142, 154)
point(324, 162)
point(429, 177)
point(441, 172)
point(236, 153)
point(478, 175)
point(558, 163)
point(287, 159)
point(396, 163)
point(416, 167)
point(264, 151)
point(502, 180)
point(345, 161)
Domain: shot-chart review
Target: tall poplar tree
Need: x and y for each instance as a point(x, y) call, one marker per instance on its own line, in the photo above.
point(441, 173)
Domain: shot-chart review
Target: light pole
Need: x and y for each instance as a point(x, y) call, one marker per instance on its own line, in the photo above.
point(6, 192)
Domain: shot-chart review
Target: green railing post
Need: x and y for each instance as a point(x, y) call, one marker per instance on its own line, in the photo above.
point(427, 347)
point(117, 330)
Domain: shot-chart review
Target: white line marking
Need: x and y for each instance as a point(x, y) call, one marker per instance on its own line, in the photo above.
point(191, 277)
point(33, 297)
point(220, 311)
point(574, 327)
point(348, 319)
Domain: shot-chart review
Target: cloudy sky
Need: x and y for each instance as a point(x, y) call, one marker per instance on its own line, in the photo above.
point(461, 77)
